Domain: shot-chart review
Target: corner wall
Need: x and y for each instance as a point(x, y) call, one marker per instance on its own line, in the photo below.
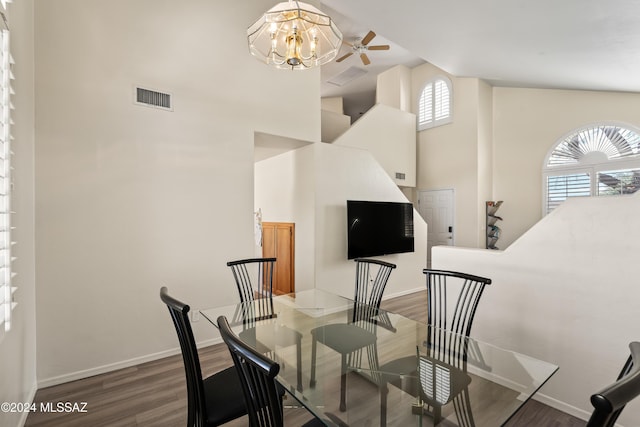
point(310, 186)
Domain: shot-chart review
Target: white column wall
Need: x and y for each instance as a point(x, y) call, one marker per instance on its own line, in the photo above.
point(131, 198)
point(393, 88)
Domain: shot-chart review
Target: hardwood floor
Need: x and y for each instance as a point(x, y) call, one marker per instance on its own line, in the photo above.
point(154, 393)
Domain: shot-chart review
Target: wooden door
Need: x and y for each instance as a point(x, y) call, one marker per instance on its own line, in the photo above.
point(278, 242)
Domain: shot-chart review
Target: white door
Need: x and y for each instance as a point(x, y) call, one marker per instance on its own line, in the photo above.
point(436, 208)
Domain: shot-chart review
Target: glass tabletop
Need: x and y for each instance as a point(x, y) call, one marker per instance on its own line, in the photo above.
point(383, 369)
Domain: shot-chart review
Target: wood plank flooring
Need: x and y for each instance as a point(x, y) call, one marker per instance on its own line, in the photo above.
point(154, 393)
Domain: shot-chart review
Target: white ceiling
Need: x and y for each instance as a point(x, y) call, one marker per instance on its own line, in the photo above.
point(572, 44)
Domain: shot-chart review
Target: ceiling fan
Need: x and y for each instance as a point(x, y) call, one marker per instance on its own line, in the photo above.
point(361, 47)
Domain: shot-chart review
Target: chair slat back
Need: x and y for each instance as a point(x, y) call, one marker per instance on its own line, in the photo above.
point(258, 378)
point(371, 280)
point(195, 387)
point(452, 299)
point(609, 402)
point(254, 280)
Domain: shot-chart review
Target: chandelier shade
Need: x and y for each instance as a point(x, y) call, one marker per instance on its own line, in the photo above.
point(294, 35)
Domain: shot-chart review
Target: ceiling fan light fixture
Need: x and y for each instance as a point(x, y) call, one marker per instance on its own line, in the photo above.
point(295, 36)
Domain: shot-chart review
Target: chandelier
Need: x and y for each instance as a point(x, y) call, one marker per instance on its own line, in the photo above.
point(294, 35)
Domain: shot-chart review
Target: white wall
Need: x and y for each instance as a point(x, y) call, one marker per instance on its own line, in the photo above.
point(390, 135)
point(132, 198)
point(18, 346)
point(527, 123)
point(565, 292)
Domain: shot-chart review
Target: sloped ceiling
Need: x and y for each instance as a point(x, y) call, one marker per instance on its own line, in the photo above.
point(572, 44)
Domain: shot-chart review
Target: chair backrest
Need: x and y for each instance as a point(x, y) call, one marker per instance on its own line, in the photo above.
point(258, 378)
point(609, 402)
point(451, 312)
point(452, 301)
point(371, 280)
point(254, 277)
point(179, 311)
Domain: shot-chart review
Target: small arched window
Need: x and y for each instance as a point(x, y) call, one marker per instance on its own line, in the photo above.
point(434, 104)
point(596, 160)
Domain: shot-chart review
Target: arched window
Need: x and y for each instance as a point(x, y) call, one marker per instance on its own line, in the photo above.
point(434, 104)
point(596, 160)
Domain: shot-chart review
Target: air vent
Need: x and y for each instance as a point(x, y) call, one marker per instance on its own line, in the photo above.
point(349, 75)
point(400, 175)
point(152, 98)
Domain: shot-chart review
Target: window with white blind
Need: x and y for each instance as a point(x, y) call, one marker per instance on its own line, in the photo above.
point(434, 104)
point(6, 258)
point(596, 160)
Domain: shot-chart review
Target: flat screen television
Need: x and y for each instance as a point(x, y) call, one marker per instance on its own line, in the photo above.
point(378, 228)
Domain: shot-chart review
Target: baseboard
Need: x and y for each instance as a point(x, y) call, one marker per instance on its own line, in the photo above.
point(562, 406)
point(78, 375)
point(402, 293)
point(30, 398)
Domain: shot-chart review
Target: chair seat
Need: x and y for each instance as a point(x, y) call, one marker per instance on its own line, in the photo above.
point(223, 397)
point(344, 338)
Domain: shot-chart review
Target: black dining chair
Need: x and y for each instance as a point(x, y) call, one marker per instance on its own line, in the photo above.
point(257, 372)
point(211, 401)
point(254, 280)
point(441, 373)
point(351, 338)
point(610, 401)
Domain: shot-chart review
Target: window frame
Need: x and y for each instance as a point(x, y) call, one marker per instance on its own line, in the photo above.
point(588, 166)
point(433, 121)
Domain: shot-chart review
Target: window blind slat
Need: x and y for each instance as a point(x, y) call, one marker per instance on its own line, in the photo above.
point(6, 258)
point(434, 105)
point(560, 188)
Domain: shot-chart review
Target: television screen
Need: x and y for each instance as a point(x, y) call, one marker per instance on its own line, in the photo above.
point(378, 228)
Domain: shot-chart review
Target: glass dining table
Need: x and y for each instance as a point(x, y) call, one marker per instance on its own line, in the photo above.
point(404, 373)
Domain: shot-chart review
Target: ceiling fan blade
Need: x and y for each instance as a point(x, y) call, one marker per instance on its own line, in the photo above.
point(370, 35)
point(365, 59)
point(378, 47)
point(343, 57)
